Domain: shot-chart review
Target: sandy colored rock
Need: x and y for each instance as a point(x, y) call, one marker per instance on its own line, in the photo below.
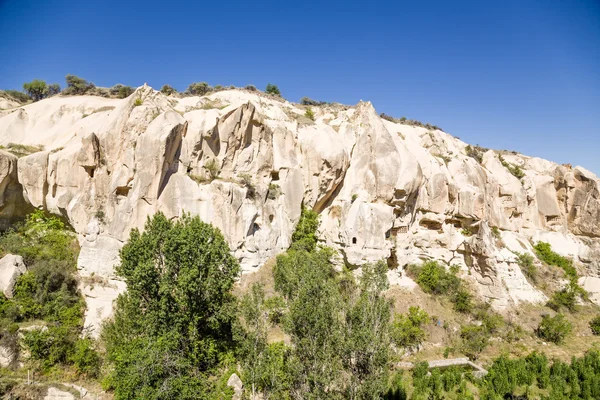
point(11, 267)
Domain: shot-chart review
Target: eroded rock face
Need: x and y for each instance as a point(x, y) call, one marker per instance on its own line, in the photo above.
point(247, 163)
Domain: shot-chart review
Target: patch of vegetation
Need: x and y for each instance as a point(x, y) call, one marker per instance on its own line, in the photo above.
point(566, 298)
point(199, 89)
point(407, 329)
point(476, 152)
point(305, 101)
point(411, 122)
point(595, 325)
point(274, 191)
point(251, 88)
point(77, 85)
point(47, 293)
point(246, 181)
point(434, 278)
point(305, 234)
point(166, 341)
point(138, 102)
point(121, 91)
point(168, 90)
point(212, 167)
point(199, 179)
point(20, 97)
point(544, 253)
point(554, 329)
point(22, 150)
point(354, 197)
point(309, 114)
point(272, 89)
point(38, 89)
point(515, 170)
point(527, 266)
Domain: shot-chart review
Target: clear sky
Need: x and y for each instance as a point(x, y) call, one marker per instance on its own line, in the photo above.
point(520, 75)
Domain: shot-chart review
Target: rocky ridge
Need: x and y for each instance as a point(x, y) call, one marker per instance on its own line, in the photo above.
point(247, 162)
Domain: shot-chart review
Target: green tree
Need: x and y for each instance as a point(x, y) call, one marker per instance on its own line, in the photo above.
point(272, 89)
point(595, 325)
point(172, 329)
point(167, 90)
point(36, 89)
point(53, 89)
point(77, 85)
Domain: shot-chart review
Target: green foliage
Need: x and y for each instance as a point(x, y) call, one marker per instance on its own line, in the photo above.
point(544, 252)
point(565, 298)
point(138, 102)
point(47, 291)
point(463, 301)
point(251, 88)
point(407, 330)
point(77, 85)
point(515, 170)
point(554, 329)
point(172, 329)
point(527, 266)
point(53, 89)
point(475, 339)
point(305, 101)
point(305, 235)
point(168, 90)
point(36, 89)
point(124, 91)
point(274, 191)
point(199, 88)
point(339, 329)
point(18, 96)
point(595, 325)
point(476, 152)
point(433, 278)
point(85, 358)
point(309, 114)
point(272, 89)
point(212, 167)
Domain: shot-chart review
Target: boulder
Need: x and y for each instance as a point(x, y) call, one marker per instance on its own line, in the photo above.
point(11, 267)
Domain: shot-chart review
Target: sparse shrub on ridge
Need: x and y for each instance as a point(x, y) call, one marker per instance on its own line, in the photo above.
point(272, 89)
point(18, 96)
point(199, 89)
point(305, 101)
point(309, 114)
point(36, 89)
point(77, 85)
point(168, 90)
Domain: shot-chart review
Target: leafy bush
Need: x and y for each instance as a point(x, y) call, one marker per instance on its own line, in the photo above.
point(138, 102)
point(463, 301)
point(212, 166)
point(272, 89)
point(274, 191)
point(166, 340)
point(124, 91)
point(515, 170)
point(407, 330)
point(475, 339)
point(251, 88)
point(554, 329)
point(305, 101)
point(567, 298)
point(36, 89)
point(53, 89)
point(199, 88)
point(544, 252)
point(433, 278)
point(527, 266)
point(476, 152)
point(85, 358)
point(595, 325)
point(305, 234)
point(309, 114)
point(77, 85)
point(168, 90)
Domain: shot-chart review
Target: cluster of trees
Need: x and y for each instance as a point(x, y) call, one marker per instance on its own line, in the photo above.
point(179, 332)
point(47, 293)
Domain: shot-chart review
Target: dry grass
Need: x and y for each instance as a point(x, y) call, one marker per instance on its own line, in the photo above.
point(22, 150)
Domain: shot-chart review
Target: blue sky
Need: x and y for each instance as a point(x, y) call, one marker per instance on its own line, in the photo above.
point(518, 75)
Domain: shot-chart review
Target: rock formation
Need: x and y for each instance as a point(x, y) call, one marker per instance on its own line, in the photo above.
point(247, 162)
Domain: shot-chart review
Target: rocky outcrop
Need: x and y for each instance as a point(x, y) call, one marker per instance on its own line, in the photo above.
point(11, 267)
point(247, 163)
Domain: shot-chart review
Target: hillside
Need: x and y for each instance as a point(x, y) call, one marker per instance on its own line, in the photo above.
point(248, 163)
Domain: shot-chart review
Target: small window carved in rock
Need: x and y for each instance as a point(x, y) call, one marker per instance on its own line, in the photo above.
point(122, 191)
point(552, 218)
point(90, 171)
point(353, 240)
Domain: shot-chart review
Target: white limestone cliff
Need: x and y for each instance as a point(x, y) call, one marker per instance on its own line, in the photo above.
point(384, 190)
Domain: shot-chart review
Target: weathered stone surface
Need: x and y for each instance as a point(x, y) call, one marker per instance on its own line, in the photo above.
point(236, 384)
point(383, 190)
point(11, 267)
